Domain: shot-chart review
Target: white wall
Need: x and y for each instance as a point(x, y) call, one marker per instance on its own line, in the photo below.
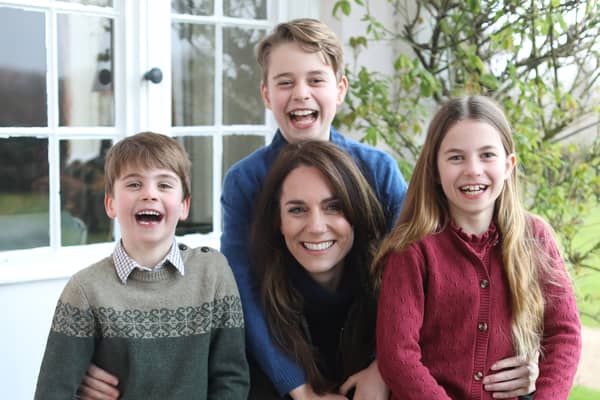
point(26, 314)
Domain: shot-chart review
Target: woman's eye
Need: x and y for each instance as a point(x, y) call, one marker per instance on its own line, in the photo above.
point(334, 207)
point(296, 210)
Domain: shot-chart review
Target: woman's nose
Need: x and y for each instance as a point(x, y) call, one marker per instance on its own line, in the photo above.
point(317, 223)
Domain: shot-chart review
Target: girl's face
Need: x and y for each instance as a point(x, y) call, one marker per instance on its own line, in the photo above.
point(473, 166)
point(315, 230)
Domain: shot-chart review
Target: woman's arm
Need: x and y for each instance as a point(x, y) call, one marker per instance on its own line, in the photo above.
point(367, 384)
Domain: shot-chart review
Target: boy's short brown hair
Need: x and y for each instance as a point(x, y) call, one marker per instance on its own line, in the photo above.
point(311, 35)
point(147, 150)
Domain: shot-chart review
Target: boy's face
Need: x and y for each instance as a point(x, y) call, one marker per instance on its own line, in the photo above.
point(148, 203)
point(302, 92)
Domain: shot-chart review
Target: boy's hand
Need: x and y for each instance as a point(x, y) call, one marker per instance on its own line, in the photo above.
point(367, 384)
point(516, 378)
point(97, 384)
point(305, 392)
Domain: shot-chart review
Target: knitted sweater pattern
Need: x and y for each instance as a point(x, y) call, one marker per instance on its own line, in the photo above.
point(444, 318)
point(165, 336)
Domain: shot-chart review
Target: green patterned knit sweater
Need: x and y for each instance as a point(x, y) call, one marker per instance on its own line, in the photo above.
point(165, 336)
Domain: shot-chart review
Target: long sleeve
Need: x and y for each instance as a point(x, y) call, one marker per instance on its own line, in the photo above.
point(229, 376)
point(69, 348)
point(237, 202)
point(400, 316)
point(561, 343)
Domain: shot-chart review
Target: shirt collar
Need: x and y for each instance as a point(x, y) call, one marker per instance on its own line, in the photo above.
point(124, 264)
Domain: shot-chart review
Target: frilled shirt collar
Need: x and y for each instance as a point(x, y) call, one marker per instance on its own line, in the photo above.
point(125, 265)
point(477, 243)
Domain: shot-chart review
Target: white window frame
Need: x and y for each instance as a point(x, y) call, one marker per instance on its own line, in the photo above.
point(139, 105)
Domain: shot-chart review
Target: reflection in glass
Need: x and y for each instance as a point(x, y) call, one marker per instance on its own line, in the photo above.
point(200, 150)
point(242, 103)
point(24, 201)
point(250, 9)
point(193, 66)
point(193, 7)
point(83, 219)
point(100, 3)
point(85, 68)
point(22, 68)
point(236, 147)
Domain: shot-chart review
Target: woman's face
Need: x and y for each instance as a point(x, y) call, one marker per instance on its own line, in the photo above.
point(313, 225)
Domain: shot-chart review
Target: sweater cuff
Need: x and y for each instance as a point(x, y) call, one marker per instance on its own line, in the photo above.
point(529, 396)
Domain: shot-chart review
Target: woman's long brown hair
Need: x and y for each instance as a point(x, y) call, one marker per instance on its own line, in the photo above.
point(282, 303)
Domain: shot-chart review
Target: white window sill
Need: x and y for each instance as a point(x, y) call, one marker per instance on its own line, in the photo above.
point(22, 266)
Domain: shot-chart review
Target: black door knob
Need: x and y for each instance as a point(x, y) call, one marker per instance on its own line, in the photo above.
point(154, 75)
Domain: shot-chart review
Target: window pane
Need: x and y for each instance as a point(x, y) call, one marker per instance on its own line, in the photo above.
point(250, 9)
point(22, 68)
point(200, 150)
point(242, 103)
point(85, 67)
point(83, 219)
point(236, 147)
point(24, 199)
point(193, 65)
point(193, 7)
point(101, 3)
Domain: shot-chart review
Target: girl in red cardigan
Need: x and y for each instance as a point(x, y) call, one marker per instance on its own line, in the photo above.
point(468, 276)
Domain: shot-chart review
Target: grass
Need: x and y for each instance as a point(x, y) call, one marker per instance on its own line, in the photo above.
point(583, 393)
point(586, 281)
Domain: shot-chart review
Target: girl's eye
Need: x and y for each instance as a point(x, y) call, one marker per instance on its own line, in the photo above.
point(455, 158)
point(488, 154)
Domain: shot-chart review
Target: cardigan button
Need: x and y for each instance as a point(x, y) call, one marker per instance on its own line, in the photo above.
point(478, 375)
point(204, 249)
point(484, 283)
point(182, 246)
point(482, 326)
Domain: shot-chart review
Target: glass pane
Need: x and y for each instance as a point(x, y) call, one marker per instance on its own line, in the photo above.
point(101, 3)
point(193, 65)
point(83, 219)
point(193, 7)
point(85, 71)
point(236, 147)
point(200, 150)
point(24, 199)
point(22, 68)
point(242, 103)
point(250, 9)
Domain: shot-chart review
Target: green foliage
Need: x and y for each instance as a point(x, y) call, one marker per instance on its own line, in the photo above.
point(583, 393)
point(540, 59)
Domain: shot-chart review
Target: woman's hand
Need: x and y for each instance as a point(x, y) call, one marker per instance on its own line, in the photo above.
point(97, 384)
point(368, 384)
point(516, 378)
point(305, 392)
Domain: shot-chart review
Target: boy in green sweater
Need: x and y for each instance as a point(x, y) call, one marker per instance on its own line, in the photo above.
point(139, 313)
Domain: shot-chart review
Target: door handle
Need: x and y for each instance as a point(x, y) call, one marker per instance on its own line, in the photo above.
point(154, 75)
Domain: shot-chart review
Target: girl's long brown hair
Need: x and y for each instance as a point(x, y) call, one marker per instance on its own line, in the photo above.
point(282, 303)
point(425, 211)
